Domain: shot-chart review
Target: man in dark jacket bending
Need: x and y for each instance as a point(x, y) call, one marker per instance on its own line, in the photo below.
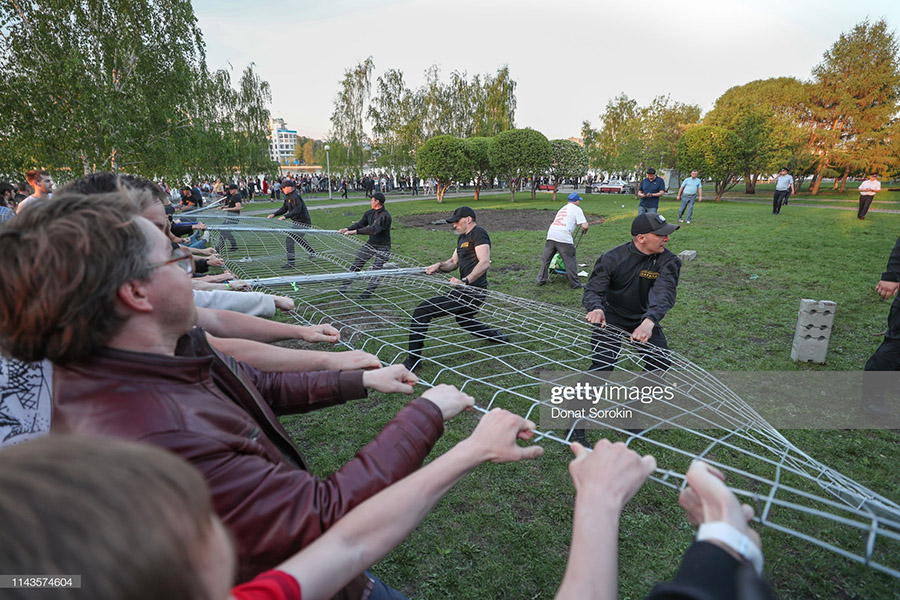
point(376, 223)
point(294, 208)
point(632, 287)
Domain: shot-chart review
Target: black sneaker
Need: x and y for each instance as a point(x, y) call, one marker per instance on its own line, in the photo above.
point(579, 436)
point(365, 295)
point(498, 337)
point(287, 266)
point(412, 363)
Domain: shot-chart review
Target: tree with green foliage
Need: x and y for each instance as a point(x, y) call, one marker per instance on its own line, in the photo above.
point(663, 123)
point(496, 110)
point(395, 113)
point(616, 147)
point(98, 85)
point(854, 99)
point(764, 114)
point(479, 158)
point(480, 107)
point(109, 84)
point(517, 153)
point(349, 111)
point(715, 152)
point(633, 138)
point(567, 159)
point(444, 159)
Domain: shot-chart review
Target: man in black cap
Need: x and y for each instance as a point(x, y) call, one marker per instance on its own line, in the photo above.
point(473, 257)
point(294, 208)
point(376, 223)
point(633, 286)
point(231, 205)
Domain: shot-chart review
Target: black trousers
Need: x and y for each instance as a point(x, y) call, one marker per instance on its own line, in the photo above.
point(463, 303)
point(381, 254)
point(297, 237)
point(227, 235)
point(864, 203)
point(781, 197)
point(887, 356)
point(606, 346)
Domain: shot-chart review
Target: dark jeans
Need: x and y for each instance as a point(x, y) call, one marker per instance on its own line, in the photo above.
point(381, 254)
point(781, 197)
point(567, 252)
point(381, 591)
point(462, 302)
point(864, 203)
point(297, 237)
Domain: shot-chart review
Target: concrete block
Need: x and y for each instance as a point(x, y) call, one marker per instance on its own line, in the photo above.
point(687, 255)
point(816, 313)
point(815, 321)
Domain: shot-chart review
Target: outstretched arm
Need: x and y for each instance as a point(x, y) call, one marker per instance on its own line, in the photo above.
point(231, 324)
point(376, 526)
point(605, 480)
point(445, 266)
point(274, 359)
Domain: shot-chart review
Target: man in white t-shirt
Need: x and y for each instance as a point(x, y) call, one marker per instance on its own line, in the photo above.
point(42, 184)
point(867, 191)
point(559, 239)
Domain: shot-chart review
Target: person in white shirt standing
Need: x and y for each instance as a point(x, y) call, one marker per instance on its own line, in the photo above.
point(867, 191)
point(784, 187)
point(559, 239)
point(42, 184)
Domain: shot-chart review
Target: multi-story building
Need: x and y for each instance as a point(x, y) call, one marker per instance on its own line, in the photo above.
point(281, 142)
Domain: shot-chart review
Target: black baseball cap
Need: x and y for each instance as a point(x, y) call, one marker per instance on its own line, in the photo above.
point(287, 183)
point(232, 186)
point(378, 196)
point(651, 223)
point(459, 213)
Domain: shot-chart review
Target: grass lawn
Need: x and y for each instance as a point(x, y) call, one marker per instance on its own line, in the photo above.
point(504, 531)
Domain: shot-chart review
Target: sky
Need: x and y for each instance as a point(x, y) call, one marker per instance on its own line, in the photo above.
point(568, 57)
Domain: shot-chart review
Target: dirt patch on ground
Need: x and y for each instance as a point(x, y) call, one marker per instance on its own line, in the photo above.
point(493, 220)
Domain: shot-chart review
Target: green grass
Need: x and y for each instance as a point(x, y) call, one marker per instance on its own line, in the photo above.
point(504, 531)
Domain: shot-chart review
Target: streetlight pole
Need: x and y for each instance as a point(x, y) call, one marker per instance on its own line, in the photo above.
point(328, 168)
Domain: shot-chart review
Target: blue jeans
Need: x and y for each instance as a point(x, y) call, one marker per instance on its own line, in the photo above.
point(687, 200)
point(643, 209)
point(381, 591)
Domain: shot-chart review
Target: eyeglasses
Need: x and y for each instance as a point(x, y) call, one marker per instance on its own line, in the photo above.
point(185, 260)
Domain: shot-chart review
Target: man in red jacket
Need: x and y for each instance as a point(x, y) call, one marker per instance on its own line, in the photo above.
point(116, 317)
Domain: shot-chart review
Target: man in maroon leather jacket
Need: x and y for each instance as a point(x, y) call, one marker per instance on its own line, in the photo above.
point(116, 317)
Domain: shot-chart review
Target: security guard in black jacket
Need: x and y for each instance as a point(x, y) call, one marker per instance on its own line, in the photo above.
point(633, 286)
point(294, 208)
point(376, 223)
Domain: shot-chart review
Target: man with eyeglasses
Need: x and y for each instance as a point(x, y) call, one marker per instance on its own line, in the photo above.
point(129, 363)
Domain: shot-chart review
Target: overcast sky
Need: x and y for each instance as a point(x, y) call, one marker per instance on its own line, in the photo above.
point(568, 57)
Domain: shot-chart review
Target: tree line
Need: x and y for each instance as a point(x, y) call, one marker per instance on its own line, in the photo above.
point(841, 123)
point(109, 85)
point(403, 119)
